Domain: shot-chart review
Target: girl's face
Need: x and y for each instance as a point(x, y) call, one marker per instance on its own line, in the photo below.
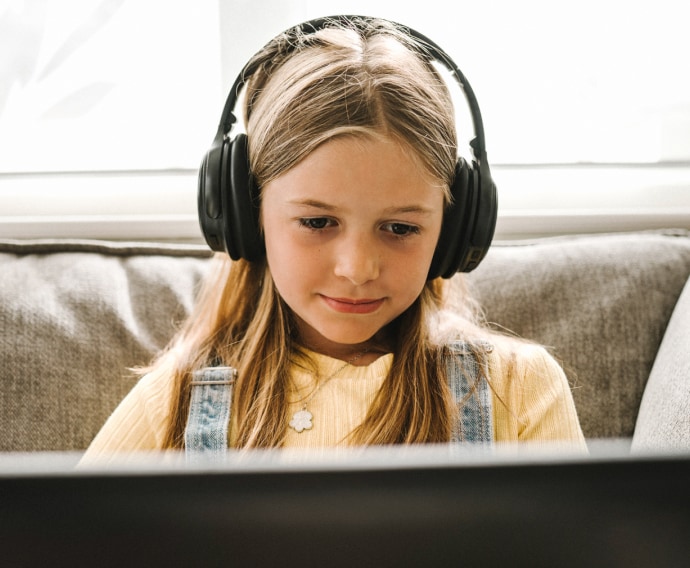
point(350, 232)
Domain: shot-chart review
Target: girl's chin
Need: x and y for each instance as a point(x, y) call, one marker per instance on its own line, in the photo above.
point(339, 341)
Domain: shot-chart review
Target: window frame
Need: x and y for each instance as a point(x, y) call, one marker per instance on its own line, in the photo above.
point(534, 201)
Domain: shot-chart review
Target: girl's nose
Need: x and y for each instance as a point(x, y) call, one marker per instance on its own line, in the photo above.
point(357, 260)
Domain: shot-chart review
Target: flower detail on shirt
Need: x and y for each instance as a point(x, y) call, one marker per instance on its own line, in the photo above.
point(301, 420)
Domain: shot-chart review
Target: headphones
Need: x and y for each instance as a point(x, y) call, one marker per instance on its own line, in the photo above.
point(228, 199)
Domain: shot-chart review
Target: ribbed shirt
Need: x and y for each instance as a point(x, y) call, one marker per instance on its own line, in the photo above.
point(532, 402)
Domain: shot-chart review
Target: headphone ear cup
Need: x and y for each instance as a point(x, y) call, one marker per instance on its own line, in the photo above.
point(484, 225)
point(457, 221)
point(243, 233)
point(228, 201)
point(209, 203)
point(468, 222)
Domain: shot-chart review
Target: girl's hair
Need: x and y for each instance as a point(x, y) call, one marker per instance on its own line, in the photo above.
point(363, 81)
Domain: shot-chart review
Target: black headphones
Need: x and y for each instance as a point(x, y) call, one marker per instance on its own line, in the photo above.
point(228, 199)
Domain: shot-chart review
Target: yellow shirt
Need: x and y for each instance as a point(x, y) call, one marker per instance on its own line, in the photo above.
point(339, 405)
point(531, 401)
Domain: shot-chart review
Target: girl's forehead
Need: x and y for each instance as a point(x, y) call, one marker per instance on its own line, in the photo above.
point(371, 154)
point(356, 172)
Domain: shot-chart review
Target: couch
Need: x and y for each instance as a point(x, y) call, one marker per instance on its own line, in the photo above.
point(77, 315)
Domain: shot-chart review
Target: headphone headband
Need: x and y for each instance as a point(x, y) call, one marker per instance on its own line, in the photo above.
point(430, 49)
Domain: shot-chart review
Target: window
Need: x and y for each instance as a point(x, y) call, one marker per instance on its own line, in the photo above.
point(107, 86)
point(598, 81)
point(106, 108)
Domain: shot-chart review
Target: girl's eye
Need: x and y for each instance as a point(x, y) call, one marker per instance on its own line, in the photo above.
point(401, 229)
point(315, 223)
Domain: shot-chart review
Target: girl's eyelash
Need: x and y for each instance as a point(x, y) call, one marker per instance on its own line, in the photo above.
point(398, 230)
point(315, 223)
point(402, 230)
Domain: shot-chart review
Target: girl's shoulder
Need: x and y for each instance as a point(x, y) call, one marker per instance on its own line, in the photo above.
point(517, 367)
point(522, 353)
point(506, 356)
point(156, 384)
point(463, 337)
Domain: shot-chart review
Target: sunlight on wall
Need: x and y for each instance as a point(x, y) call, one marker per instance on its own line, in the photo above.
point(576, 81)
point(107, 85)
point(129, 85)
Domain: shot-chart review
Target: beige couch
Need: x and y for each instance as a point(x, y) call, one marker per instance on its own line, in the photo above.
point(75, 315)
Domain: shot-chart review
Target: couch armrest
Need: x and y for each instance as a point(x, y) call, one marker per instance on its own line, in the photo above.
point(664, 418)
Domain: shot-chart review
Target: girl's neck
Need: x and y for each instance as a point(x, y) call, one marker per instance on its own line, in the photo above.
point(360, 354)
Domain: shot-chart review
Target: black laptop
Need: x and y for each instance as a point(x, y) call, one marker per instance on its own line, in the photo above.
point(426, 506)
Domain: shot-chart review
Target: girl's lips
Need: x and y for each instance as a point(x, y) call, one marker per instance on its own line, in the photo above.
point(351, 306)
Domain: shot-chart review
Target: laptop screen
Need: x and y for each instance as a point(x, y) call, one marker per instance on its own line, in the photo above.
point(379, 507)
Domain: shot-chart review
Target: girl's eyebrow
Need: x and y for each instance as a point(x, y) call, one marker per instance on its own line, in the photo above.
point(312, 203)
point(415, 209)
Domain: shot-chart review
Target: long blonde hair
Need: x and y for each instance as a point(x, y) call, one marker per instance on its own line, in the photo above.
point(307, 89)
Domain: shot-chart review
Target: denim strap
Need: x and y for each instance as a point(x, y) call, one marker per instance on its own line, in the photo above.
point(206, 433)
point(470, 389)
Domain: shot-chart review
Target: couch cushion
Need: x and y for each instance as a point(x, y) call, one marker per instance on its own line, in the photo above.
point(74, 317)
point(664, 418)
point(600, 302)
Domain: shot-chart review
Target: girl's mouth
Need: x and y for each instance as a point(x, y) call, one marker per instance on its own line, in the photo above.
point(353, 306)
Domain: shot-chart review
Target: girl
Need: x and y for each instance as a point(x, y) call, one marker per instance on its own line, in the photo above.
point(337, 332)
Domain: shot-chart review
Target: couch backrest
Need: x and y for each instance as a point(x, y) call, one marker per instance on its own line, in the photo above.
point(76, 315)
point(601, 303)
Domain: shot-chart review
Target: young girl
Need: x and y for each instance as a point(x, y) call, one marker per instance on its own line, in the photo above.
point(337, 332)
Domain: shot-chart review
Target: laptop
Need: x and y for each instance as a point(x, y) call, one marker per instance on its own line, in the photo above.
point(425, 506)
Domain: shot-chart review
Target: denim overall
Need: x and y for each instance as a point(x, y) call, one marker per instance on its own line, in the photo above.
point(206, 434)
